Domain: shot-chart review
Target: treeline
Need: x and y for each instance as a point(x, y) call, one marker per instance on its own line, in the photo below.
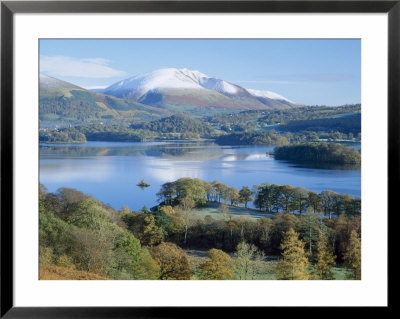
point(114, 133)
point(254, 119)
point(70, 135)
point(318, 152)
point(272, 137)
point(95, 132)
point(252, 138)
point(177, 127)
point(182, 124)
point(78, 232)
point(345, 124)
point(270, 198)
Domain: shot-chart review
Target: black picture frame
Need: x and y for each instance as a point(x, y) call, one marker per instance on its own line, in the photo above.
point(9, 8)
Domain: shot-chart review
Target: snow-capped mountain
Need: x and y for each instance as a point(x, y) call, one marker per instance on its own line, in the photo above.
point(183, 90)
point(268, 95)
point(48, 82)
point(62, 103)
point(171, 78)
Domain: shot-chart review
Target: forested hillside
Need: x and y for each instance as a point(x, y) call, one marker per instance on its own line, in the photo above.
point(80, 234)
point(177, 124)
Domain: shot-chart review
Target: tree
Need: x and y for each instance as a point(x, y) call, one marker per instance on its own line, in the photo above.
point(233, 194)
point(209, 190)
point(187, 215)
point(309, 230)
point(294, 263)
point(300, 197)
point(265, 225)
point(314, 201)
point(92, 251)
point(245, 195)
point(328, 201)
point(352, 255)
point(172, 261)
point(247, 261)
point(70, 198)
point(166, 193)
point(146, 267)
point(191, 188)
point(152, 234)
point(223, 210)
point(325, 258)
point(217, 267)
point(287, 198)
point(220, 191)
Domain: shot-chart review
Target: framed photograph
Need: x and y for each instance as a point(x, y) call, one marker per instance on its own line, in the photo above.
point(158, 156)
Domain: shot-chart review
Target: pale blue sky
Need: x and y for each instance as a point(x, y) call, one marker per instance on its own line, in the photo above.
point(312, 72)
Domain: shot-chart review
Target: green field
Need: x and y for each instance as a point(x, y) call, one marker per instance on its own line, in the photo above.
point(212, 209)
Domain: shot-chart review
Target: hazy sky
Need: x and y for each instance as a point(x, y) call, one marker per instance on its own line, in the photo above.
point(312, 72)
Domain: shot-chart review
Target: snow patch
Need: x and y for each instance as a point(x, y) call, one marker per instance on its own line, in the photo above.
point(268, 94)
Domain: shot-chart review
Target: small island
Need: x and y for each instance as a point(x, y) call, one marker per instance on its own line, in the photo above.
point(318, 152)
point(142, 184)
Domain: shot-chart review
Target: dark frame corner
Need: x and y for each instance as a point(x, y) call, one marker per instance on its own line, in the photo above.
point(9, 8)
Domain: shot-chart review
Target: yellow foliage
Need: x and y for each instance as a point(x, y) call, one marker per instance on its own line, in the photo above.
point(325, 259)
point(65, 261)
point(218, 267)
point(172, 261)
point(294, 264)
point(47, 272)
point(352, 255)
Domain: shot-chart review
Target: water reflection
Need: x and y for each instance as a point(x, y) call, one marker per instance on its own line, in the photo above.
point(111, 171)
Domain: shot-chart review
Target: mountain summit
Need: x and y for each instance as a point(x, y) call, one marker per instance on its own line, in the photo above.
point(186, 90)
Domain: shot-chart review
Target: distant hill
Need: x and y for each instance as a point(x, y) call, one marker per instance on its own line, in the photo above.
point(62, 103)
point(177, 124)
point(345, 123)
point(193, 92)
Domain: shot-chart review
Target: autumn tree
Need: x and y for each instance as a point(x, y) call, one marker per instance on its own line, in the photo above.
point(294, 263)
point(223, 211)
point(187, 215)
point(217, 267)
point(265, 226)
point(245, 195)
point(92, 251)
point(247, 261)
point(152, 234)
point(227, 217)
point(352, 255)
point(146, 267)
point(172, 260)
point(325, 258)
point(233, 195)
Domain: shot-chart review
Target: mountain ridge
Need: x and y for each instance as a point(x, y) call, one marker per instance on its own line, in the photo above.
point(171, 86)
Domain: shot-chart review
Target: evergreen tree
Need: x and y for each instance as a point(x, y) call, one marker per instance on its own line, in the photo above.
point(294, 264)
point(325, 259)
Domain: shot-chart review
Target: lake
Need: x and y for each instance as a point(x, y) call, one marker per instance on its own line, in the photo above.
point(110, 171)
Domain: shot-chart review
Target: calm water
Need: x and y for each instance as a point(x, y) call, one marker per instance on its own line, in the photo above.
point(109, 171)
